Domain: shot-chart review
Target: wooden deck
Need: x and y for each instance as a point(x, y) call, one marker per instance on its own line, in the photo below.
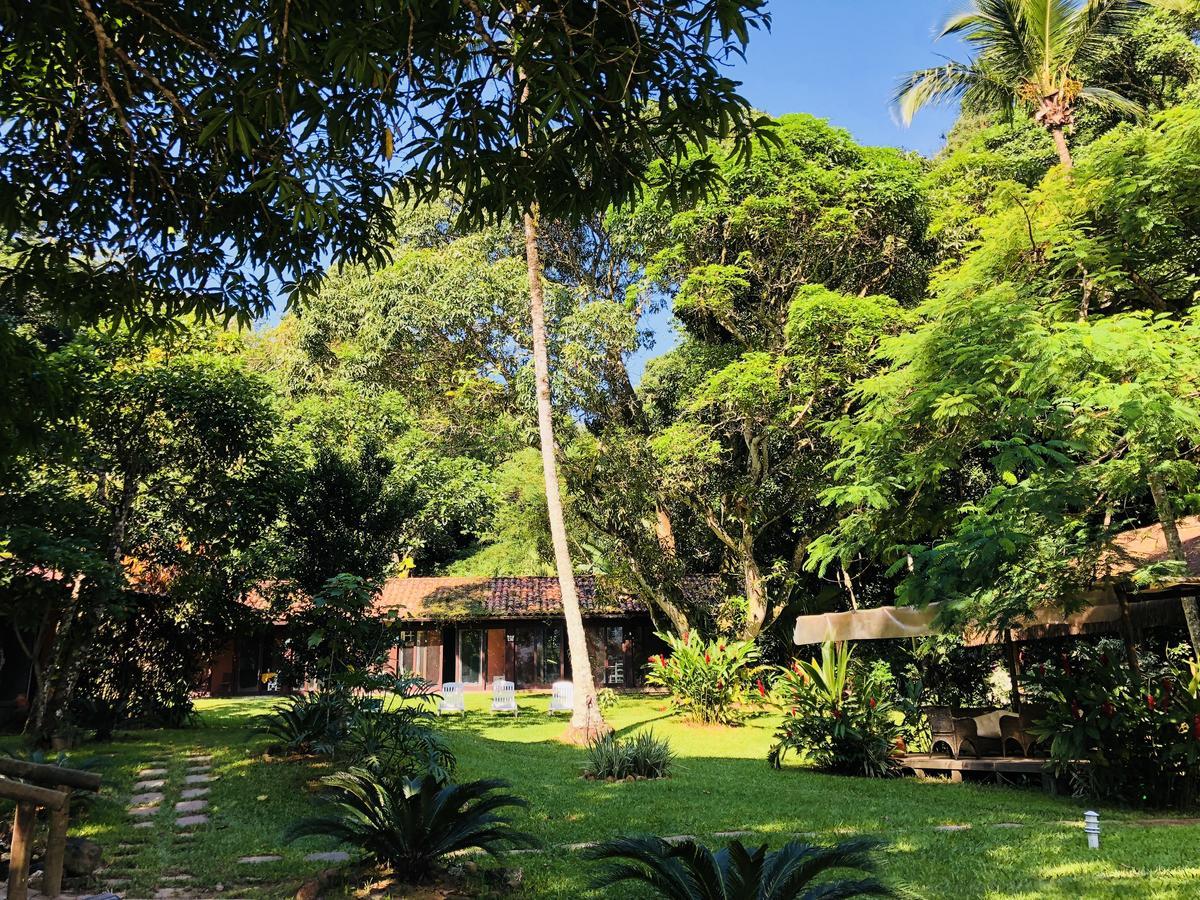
point(923, 764)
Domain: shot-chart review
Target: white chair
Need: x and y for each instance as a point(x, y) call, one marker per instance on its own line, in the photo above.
point(504, 696)
point(452, 698)
point(562, 697)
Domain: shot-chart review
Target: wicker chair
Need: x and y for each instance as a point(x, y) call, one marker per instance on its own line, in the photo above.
point(1017, 729)
point(953, 731)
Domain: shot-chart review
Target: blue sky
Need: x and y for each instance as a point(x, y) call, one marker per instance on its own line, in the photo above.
point(840, 60)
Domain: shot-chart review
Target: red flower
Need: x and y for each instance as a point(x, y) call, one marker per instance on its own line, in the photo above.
point(685, 636)
point(871, 703)
point(662, 660)
point(707, 659)
point(836, 713)
point(1149, 702)
point(1109, 709)
point(721, 648)
point(762, 691)
point(792, 711)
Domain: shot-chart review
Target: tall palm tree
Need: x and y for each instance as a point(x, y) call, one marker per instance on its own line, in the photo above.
point(586, 721)
point(1030, 55)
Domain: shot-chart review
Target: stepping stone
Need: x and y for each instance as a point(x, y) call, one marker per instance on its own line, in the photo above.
point(199, 770)
point(199, 759)
point(677, 838)
point(329, 856)
point(731, 834)
point(1008, 825)
point(178, 878)
point(193, 793)
point(167, 893)
point(143, 824)
point(186, 821)
point(143, 810)
point(255, 860)
point(191, 806)
point(185, 835)
point(586, 845)
point(149, 785)
point(198, 779)
point(147, 799)
point(951, 827)
point(152, 773)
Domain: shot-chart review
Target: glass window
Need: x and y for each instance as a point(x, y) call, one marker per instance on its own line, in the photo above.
point(614, 667)
point(470, 655)
point(552, 655)
point(406, 658)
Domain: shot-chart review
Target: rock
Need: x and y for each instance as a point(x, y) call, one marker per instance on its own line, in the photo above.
point(153, 785)
point(81, 857)
point(150, 798)
point(142, 811)
point(256, 860)
point(152, 773)
point(199, 770)
point(185, 821)
point(337, 856)
point(198, 779)
point(193, 793)
point(951, 827)
point(191, 806)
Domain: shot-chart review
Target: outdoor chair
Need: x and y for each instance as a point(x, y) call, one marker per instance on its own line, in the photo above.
point(1016, 728)
point(562, 697)
point(953, 731)
point(452, 698)
point(504, 696)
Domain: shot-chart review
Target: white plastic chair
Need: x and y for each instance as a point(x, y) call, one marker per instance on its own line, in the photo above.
point(504, 696)
point(452, 698)
point(562, 697)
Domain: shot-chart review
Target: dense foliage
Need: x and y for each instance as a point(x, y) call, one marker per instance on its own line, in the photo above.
point(641, 755)
point(708, 680)
point(1136, 732)
point(840, 714)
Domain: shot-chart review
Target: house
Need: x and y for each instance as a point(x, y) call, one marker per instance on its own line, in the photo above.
point(474, 630)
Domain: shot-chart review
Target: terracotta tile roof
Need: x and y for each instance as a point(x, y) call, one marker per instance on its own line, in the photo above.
point(1139, 547)
point(532, 597)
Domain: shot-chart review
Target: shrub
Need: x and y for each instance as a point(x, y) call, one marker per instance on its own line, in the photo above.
point(606, 699)
point(310, 723)
point(686, 870)
point(400, 741)
point(840, 714)
point(1139, 732)
point(412, 824)
point(640, 756)
point(707, 680)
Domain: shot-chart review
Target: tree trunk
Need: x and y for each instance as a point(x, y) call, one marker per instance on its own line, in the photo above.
point(57, 684)
point(756, 596)
point(1166, 517)
point(1060, 144)
point(586, 720)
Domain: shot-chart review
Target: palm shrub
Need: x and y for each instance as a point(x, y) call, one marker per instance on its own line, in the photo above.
point(411, 824)
point(310, 723)
point(400, 741)
point(708, 680)
point(840, 714)
point(642, 756)
point(686, 870)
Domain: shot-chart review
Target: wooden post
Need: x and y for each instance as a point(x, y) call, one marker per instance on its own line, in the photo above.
point(22, 850)
point(1128, 632)
point(56, 847)
point(1014, 669)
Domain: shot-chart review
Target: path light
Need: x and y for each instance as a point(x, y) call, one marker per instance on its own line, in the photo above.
point(1091, 825)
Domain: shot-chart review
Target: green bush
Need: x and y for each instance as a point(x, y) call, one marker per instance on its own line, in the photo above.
point(400, 741)
point(708, 681)
point(1138, 731)
point(640, 756)
point(686, 870)
point(310, 723)
point(839, 714)
point(410, 825)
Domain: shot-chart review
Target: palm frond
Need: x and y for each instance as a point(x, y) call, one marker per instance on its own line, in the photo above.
point(1098, 20)
point(951, 81)
point(652, 861)
point(999, 28)
point(796, 864)
point(1111, 101)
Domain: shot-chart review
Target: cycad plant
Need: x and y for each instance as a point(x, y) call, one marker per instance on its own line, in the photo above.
point(1029, 55)
point(411, 824)
point(686, 870)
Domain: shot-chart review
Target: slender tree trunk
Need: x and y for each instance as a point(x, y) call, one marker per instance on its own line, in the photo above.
point(756, 595)
point(586, 721)
point(1060, 144)
point(57, 683)
point(1166, 517)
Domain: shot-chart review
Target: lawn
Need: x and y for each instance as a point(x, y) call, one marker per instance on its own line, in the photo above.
point(1020, 843)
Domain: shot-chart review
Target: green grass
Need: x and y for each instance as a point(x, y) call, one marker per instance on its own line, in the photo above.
point(720, 782)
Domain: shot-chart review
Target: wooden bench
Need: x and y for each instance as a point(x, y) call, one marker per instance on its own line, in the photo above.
point(32, 786)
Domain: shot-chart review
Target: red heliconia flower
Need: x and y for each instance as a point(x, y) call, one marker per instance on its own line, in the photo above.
point(796, 666)
point(685, 636)
point(792, 711)
point(871, 703)
point(707, 659)
point(1149, 702)
point(836, 713)
point(762, 691)
point(662, 660)
point(721, 648)
point(1042, 670)
point(720, 684)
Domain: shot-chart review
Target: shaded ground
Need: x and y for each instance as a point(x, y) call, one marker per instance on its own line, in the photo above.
point(1020, 843)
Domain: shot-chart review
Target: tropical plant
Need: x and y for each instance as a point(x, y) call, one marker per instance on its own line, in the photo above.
point(839, 713)
point(315, 722)
point(643, 755)
point(400, 740)
point(708, 681)
point(412, 824)
point(1138, 729)
point(686, 870)
point(606, 699)
point(1030, 54)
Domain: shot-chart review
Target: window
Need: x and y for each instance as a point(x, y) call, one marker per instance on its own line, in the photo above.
point(470, 656)
point(552, 669)
point(407, 654)
point(614, 665)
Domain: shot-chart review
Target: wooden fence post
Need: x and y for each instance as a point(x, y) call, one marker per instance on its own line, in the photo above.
point(56, 847)
point(22, 850)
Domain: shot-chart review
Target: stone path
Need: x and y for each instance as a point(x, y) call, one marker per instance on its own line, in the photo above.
point(152, 801)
